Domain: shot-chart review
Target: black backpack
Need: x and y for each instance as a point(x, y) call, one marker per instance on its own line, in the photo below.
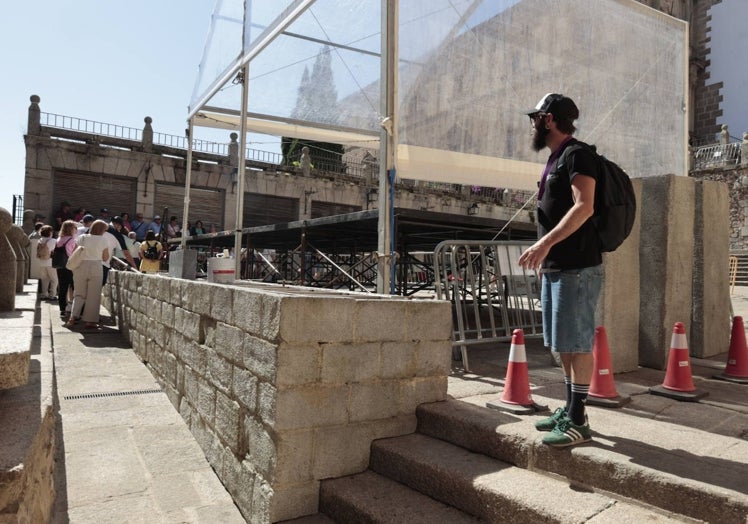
point(151, 253)
point(60, 255)
point(615, 201)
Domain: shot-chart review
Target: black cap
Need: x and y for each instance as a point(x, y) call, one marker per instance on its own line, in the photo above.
point(560, 106)
point(104, 210)
point(118, 220)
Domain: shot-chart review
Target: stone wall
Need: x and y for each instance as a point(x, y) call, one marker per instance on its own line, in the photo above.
point(283, 387)
point(736, 179)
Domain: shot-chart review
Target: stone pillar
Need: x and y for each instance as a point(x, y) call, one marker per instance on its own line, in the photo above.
point(724, 135)
point(618, 309)
point(666, 263)
point(710, 323)
point(34, 126)
point(233, 150)
point(148, 135)
point(744, 150)
point(305, 162)
point(8, 263)
point(19, 242)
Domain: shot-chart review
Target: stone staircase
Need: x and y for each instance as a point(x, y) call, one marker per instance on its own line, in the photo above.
point(468, 463)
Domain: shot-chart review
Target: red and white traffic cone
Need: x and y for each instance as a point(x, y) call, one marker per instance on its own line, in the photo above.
point(678, 382)
point(736, 369)
point(602, 386)
point(516, 397)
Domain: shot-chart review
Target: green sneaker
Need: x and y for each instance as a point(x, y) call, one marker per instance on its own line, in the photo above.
point(548, 423)
point(566, 433)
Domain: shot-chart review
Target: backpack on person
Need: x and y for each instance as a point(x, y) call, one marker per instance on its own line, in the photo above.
point(42, 250)
point(615, 200)
point(60, 255)
point(151, 252)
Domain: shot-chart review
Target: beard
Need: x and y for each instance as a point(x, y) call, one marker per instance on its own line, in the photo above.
point(538, 138)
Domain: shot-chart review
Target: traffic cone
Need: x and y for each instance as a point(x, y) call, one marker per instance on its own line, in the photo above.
point(516, 397)
point(736, 369)
point(602, 386)
point(678, 382)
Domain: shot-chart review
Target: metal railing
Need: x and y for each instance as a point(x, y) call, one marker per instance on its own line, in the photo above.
point(490, 294)
point(716, 155)
point(82, 125)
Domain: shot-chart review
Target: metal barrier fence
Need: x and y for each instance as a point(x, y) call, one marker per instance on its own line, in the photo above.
point(716, 155)
point(490, 293)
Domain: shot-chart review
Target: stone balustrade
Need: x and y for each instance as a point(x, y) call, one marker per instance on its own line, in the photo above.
point(283, 386)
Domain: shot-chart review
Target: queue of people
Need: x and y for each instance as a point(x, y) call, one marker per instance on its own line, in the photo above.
point(78, 291)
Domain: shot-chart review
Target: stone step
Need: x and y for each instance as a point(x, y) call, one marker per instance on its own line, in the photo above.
point(665, 465)
point(495, 491)
point(372, 498)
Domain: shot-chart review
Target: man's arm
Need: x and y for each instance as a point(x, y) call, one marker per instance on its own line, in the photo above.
point(583, 192)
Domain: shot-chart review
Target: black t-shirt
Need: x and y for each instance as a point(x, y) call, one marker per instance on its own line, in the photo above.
point(582, 248)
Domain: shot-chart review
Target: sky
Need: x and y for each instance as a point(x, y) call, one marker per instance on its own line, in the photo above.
point(108, 61)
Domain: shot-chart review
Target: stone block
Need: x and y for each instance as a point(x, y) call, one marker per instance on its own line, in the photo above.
point(298, 363)
point(244, 389)
point(261, 449)
point(183, 264)
point(191, 389)
point(271, 318)
point(294, 501)
point(350, 362)
point(206, 401)
point(196, 297)
point(342, 450)
point(295, 451)
point(229, 342)
point(710, 332)
point(311, 406)
point(221, 306)
point(666, 254)
point(420, 390)
point(239, 481)
point(433, 357)
point(372, 401)
point(194, 355)
point(262, 496)
point(220, 371)
point(428, 320)
point(187, 323)
point(399, 359)
point(260, 358)
point(163, 289)
point(167, 314)
point(228, 421)
point(15, 351)
point(380, 320)
point(248, 311)
point(328, 319)
point(267, 401)
point(178, 290)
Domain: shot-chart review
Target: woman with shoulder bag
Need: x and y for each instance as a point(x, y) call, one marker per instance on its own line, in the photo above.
point(88, 276)
point(66, 241)
point(44, 254)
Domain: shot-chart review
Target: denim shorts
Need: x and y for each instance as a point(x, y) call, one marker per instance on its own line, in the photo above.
point(569, 299)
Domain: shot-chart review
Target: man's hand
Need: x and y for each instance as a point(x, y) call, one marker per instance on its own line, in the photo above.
point(533, 257)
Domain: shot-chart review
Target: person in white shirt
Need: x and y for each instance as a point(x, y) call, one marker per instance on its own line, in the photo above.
point(48, 273)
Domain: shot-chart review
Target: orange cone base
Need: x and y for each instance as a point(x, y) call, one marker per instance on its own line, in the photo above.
point(684, 396)
point(516, 409)
point(608, 402)
point(730, 378)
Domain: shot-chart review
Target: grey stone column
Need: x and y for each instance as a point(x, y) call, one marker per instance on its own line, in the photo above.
point(8, 263)
point(666, 263)
point(710, 324)
point(34, 126)
point(19, 242)
point(147, 135)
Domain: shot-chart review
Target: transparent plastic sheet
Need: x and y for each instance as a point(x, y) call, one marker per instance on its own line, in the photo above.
point(467, 70)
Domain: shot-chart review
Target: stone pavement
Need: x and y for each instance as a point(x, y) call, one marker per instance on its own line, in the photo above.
point(124, 452)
